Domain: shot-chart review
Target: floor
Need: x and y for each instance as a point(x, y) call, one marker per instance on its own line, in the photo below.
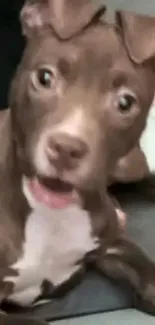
point(130, 317)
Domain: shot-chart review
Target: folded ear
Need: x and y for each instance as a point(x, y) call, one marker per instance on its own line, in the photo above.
point(65, 17)
point(139, 35)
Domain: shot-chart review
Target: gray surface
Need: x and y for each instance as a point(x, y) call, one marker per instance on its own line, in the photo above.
point(94, 294)
point(141, 222)
point(138, 6)
point(125, 317)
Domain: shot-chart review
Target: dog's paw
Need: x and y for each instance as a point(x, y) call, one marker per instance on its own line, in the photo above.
point(145, 301)
point(15, 320)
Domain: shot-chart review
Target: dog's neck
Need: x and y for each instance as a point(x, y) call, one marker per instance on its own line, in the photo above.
point(10, 177)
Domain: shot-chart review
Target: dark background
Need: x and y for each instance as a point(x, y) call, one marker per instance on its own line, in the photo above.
point(11, 44)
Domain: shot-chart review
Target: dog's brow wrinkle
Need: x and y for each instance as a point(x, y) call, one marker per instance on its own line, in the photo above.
point(64, 66)
point(74, 123)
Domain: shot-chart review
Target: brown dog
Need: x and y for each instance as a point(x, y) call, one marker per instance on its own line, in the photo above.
point(79, 103)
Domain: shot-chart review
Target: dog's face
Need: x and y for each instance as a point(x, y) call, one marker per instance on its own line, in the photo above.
point(78, 104)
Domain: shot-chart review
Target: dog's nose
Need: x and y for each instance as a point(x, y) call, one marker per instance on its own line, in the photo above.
point(65, 151)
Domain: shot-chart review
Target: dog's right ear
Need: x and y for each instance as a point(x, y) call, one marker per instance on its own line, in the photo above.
point(138, 33)
point(65, 17)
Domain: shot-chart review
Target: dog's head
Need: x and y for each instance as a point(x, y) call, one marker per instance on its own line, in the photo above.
point(82, 92)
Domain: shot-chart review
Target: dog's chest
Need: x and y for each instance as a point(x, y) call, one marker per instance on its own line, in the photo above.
point(55, 241)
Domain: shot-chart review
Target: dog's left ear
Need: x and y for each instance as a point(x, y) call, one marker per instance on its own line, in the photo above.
point(66, 17)
point(138, 34)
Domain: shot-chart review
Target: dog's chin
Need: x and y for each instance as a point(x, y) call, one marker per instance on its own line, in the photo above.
point(52, 192)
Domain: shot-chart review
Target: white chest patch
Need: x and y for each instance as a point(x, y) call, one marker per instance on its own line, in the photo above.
point(54, 241)
point(147, 141)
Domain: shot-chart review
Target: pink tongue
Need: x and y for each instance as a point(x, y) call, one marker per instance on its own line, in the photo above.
point(48, 197)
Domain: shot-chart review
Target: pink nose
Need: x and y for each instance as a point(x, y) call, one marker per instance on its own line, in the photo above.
point(65, 151)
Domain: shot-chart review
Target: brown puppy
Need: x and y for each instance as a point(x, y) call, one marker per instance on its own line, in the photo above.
point(79, 103)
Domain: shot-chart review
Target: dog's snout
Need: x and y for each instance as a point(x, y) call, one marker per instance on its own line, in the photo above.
point(65, 151)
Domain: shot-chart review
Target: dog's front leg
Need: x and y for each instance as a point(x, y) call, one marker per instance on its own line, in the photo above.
point(125, 261)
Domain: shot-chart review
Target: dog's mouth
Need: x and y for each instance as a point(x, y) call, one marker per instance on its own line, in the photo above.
point(52, 192)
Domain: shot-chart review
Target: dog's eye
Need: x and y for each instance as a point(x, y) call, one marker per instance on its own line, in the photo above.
point(45, 77)
point(126, 102)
